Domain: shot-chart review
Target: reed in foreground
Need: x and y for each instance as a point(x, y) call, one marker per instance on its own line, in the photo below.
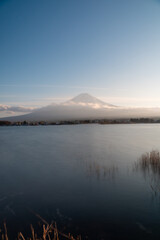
point(149, 164)
point(150, 161)
point(49, 232)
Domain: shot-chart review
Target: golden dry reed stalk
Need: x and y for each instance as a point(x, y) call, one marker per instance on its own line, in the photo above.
point(50, 232)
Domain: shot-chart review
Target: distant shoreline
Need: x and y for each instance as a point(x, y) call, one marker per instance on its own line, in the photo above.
point(78, 122)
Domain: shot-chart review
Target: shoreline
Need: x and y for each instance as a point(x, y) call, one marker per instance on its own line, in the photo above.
point(78, 122)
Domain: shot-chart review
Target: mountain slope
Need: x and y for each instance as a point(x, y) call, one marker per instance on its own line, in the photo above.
point(84, 106)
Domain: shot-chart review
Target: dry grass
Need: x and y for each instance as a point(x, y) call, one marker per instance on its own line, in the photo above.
point(101, 171)
point(49, 232)
point(150, 161)
point(149, 164)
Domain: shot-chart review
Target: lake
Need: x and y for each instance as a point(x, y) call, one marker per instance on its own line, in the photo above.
point(81, 176)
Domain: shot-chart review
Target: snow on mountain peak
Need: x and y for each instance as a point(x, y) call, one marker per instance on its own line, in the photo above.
point(86, 99)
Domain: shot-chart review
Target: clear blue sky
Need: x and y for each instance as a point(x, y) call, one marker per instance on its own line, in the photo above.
point(51, 50)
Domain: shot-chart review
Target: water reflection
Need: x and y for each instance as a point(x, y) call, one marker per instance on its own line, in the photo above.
point(100, 171)
point(7, 206)
point(149, 164)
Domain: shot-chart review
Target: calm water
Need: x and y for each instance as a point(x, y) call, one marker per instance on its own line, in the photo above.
point(82, 176)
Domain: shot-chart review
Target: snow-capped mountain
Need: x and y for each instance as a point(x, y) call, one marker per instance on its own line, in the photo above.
point(85, 99)
point(84, 106)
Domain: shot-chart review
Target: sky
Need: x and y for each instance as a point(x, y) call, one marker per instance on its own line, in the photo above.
point(53, 50)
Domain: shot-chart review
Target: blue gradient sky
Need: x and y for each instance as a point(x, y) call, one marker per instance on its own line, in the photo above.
point(51, 50)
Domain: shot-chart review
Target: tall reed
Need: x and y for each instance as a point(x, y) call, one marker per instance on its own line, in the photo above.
point(49, 232)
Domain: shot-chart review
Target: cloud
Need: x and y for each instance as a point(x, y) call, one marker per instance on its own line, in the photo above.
point(13, 109)
point(91, 105)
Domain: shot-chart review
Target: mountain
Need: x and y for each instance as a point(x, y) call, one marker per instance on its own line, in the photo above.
point(86, 99)
point(84, 106)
